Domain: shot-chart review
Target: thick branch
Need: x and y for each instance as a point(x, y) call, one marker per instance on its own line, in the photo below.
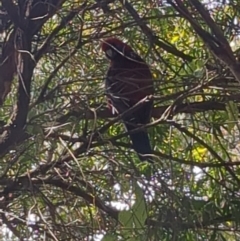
point(40, 12)
point(90, 198)
point(25, 69)
point(13, 13)
point(157, 112)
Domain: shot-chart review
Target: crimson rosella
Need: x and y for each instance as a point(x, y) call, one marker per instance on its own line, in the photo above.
point(129, 81)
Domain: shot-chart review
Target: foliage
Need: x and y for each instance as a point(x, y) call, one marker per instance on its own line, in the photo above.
point(67, 168)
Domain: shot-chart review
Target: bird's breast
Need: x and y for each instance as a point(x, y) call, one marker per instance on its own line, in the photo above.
point(133, 84)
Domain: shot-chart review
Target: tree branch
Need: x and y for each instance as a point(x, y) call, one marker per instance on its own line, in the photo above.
point(218, 45)
point(13, 13)
point(151, 37)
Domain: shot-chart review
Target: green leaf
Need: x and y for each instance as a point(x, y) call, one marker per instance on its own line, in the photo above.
point(109, 237)
point(126, 218)
point(139, 208)
point(232, 110)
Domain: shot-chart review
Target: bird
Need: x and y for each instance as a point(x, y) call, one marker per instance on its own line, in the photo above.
point(128, 81)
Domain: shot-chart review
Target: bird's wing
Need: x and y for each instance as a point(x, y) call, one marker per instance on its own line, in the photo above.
point(126, 87)
point(116, 90)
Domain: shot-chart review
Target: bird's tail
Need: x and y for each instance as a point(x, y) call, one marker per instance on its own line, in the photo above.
point(141, 144)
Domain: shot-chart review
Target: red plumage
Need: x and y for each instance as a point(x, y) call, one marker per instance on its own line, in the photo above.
point(128, 81)
point(111, 42)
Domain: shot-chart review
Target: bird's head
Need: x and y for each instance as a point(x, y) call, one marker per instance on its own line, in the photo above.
point(114, 48)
